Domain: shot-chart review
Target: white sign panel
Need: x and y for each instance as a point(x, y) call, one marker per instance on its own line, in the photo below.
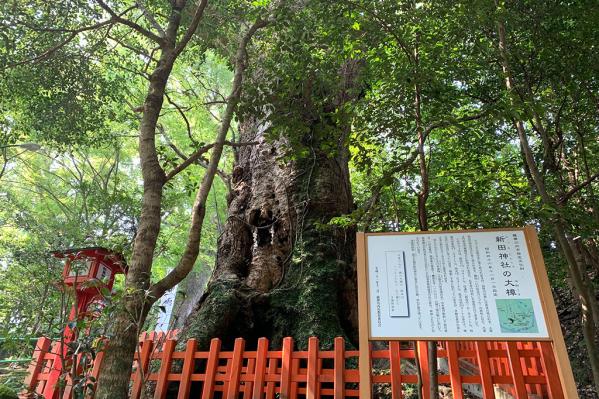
point(103, 273)
point(453, 285)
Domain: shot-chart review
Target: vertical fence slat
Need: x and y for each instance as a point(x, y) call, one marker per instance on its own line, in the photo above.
point(295, 365)
point(37, 362)
point(454, 370)
point(515, 370)
point(486, 379)
point(286, 367)
point(550, 369)
point(55, 370)
point(212, 364)
point(261, 357)
point(264, 365)
point(272, 370)
point(312, 388)
point(339, 376)
point(249, 385)
point(423, 358)
point(187, 371)
point(165, 368)
point(395, 365)
point(236, 363)
point(142, 368)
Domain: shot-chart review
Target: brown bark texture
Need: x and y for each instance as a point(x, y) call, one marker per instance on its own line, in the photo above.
point(280, 269)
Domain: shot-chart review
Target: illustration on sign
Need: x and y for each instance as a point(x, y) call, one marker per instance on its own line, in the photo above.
point(516, 316)
point(467, 284)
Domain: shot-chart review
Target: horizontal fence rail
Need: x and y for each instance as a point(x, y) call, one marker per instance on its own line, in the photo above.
point(483, 368)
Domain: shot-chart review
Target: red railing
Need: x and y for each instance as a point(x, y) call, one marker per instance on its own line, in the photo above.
point(516, 368)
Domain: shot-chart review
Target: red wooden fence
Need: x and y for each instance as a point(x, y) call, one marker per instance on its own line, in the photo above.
point(518, 368)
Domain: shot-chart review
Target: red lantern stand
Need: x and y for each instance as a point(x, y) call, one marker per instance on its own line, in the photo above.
point(90, 271)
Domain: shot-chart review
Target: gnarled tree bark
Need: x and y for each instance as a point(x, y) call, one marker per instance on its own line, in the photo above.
point(280, 269)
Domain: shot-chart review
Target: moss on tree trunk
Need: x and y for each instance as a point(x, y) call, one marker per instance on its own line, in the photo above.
point(281, 270)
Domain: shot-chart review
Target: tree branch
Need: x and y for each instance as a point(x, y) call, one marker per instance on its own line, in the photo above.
point(574, 190)
point(50, 51)
point(150, 19)
point(193, 26)
point(198, 154)
point(138, 28)
point(192, 248)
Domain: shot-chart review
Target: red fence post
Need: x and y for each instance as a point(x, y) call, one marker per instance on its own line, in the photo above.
point(286, 367)
point(37, 362)
point(312, 388)
point(486, 379)
point(261, 357)
point(339, 376)
point(187, 371)
point(423, 358)
point(165, 368)
point(236, 363)
point(516, 370)
point(270, 385)
point(142, 367)
point(395, 366)
point(211, 366)
point(550, 369)
point(454, 370)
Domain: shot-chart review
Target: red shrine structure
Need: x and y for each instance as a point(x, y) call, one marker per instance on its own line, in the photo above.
point(91, 273)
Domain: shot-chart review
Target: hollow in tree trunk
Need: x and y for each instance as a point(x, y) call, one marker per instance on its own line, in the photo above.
point(280, 269)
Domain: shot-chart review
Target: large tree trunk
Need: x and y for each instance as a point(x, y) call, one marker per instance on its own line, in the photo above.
point(280, 270)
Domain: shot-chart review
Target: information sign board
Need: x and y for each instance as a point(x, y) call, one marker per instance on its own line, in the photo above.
point(456, 285)
point(475, 284)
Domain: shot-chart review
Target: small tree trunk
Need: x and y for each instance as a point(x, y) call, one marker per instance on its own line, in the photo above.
point(588, 301)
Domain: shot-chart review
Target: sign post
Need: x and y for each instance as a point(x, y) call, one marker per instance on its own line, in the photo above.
point(456, 285)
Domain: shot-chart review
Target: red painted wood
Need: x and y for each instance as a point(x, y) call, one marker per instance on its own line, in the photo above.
point(550, 369)
point(395, 366)
point(521, 368)
point(286, 368)
point(516, 371)
point(261, 358)
point(454, 370)
point(312, 383)
point(485, 370)
point(235, 373)
point(272, 370)
point(212, 364)
point(339, 379)
point(248, 384)
point(423, 357)
point(187, 371)
point(55, 371)
point(37, 362)
point(165, 368)
point(142, 368)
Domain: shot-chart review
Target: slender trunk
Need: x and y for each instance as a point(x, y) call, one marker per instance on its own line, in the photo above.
point(115, 374)
point(422, 210)
point(587, 299)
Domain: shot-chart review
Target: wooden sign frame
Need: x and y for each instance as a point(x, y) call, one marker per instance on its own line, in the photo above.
point(542, 282)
